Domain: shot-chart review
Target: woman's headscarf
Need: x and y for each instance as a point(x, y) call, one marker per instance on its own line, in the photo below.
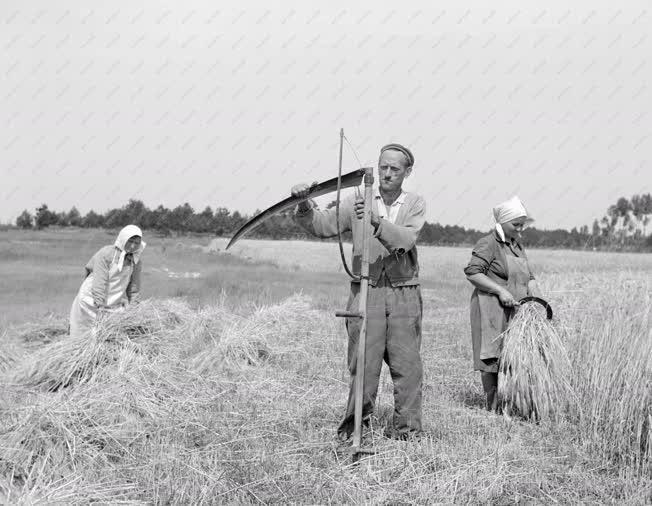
point(125, 234)
point(508, 211)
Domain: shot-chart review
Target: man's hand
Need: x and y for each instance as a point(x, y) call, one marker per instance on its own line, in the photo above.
point(358, 206)
point(301, 190)
point(507, 299)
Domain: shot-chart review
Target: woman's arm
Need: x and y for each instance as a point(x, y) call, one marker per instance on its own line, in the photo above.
point(486, 284)
point(133, 289)
point(482, 256)
point(101, 265)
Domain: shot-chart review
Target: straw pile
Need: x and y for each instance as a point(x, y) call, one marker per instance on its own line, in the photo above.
point(156, 402)
point(534, 370)
point(119, 338)
point(8, 357)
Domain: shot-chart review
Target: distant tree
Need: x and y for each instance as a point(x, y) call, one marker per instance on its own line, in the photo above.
point(74, 217)
point(161, 219)
point(92, 220)
point(180, 218)
point(221, 221)
point(237, 220)
point(147, 220)
point(25, 220)
point(116, 218)
point(624, 225)
point(44, 217)
point(62, 219)
point(642, 211)
point(596, 230)
point(620, 216)
point(135, 212)
point(203, 222)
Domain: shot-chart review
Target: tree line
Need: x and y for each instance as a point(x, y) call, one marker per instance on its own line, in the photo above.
point(624, 227)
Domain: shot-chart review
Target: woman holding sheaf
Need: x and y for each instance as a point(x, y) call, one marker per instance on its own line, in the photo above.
point(501, 275)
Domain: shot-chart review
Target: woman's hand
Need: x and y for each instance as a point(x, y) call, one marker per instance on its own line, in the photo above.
point(507, 299)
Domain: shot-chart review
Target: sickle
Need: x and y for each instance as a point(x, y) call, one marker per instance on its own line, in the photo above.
point(353, 178)
point(538, 300)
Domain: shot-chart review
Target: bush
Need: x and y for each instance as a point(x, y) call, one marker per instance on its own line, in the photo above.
point(25, 220)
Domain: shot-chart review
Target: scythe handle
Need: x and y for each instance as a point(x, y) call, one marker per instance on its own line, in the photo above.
point(364, 290)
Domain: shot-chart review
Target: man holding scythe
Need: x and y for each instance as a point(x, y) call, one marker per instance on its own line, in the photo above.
point(394, 308)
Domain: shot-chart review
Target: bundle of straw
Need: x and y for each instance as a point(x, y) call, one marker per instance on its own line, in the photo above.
point(533, 378)
point(10, 352)
point(133, 336)
point(257, 338)
point(7, 359)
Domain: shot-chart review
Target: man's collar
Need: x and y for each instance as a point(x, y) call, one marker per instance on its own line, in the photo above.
point(399, 200)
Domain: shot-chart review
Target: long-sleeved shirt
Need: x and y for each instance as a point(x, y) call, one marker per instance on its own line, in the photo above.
point(488, 257)
point(392, 248)
point(100, 266)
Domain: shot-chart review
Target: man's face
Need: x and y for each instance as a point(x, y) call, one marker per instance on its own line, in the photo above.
point(392, 170)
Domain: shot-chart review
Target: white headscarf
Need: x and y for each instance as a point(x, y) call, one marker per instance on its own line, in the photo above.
point(508, 211)
point(125, 234)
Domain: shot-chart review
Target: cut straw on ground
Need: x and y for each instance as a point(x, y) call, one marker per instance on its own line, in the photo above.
point(167, 404)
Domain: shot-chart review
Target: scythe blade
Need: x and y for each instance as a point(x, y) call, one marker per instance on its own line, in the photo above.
point(353, 178)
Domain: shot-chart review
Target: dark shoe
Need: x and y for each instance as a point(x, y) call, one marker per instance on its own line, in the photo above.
point(344, 437)
point(346, 433)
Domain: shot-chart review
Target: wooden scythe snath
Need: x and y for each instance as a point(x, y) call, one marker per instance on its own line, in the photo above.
point(356, 447)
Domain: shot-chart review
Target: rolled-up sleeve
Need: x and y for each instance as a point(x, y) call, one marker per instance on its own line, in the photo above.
point(482, 255)
point(402, 238)
point(323, 224)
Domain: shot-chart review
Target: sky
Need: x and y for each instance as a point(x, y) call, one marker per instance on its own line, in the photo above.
point(229, 104)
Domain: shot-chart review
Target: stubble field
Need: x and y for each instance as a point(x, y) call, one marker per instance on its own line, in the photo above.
point(233, 391)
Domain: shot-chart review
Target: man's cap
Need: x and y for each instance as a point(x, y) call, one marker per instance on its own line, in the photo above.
point(402, 149)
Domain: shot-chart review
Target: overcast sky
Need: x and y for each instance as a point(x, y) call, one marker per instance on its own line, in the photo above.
point(230, 103)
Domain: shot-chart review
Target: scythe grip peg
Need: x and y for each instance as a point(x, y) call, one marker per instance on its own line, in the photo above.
point(348, 314)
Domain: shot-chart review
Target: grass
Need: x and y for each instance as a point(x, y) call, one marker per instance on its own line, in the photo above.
point(45, 269)
point(231, 393)
point(613, 377)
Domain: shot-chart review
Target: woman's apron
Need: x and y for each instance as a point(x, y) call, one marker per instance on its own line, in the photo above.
point(83, 312)
point(489, 318)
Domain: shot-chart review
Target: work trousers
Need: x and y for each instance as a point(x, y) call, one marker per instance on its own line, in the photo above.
point(394, 336)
